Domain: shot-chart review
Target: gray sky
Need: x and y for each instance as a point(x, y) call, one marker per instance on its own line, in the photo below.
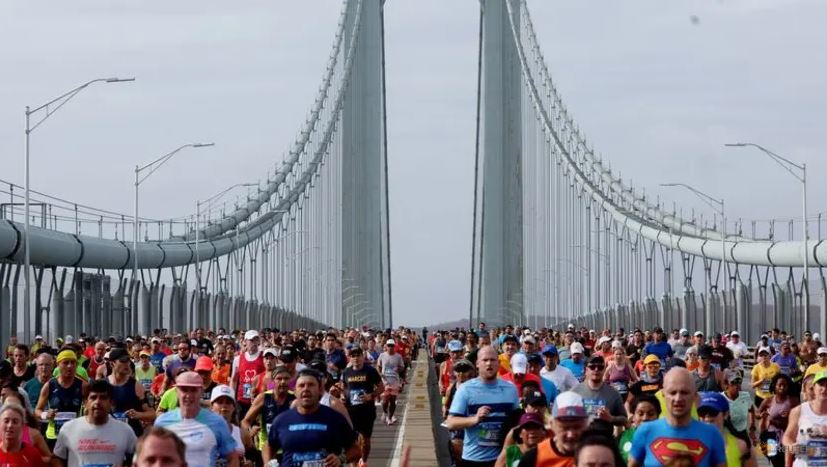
point(656, 93)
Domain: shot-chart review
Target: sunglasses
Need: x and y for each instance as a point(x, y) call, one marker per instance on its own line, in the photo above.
point(596, 367)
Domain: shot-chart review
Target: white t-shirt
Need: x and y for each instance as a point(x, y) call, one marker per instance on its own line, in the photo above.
point(561, 377)
point(81, 443)
point(739, 350)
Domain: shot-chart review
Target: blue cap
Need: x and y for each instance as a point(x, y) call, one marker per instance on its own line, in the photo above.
point(455, 346)
point(713, 400)
point(549, 349)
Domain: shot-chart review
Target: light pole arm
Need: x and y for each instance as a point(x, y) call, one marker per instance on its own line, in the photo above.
point(780, 160)
point(163, 159)
point(710, 201)
point(66, 97)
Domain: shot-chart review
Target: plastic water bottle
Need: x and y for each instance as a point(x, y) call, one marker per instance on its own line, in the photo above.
point(772, 447)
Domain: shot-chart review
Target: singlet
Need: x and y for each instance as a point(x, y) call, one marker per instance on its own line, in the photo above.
point(807, 420)
point(618, 378)
point(325, 400)
point(733, 454)
point(513, 454)
point(260, 385)
point(247, 370)
point(775, 410)
point(447, 377)
point(67, 402)
point(145, 377)
point(125, 398)
point(547, 456)
point(706, 383)
point(269, 411)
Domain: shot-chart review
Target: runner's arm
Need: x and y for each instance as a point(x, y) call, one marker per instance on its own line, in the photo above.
point(250, 418)
point(42, 401)
point(146, 414)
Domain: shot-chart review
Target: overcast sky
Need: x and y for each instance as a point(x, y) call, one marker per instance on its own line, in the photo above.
point(657, 86)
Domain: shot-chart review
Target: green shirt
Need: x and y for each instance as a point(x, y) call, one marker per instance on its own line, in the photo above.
point(513, 454)
point(169, 400)
point(625, 443)
point(79, 371)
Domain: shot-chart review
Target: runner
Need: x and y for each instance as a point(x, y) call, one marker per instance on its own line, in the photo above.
point(62, 398)
point(561, 376)
point(45, 364)
point(13, 451)
point(266, 407)
point(95, 439)
point(390, 366)
point(22, 371)
point(128, 398)
point(311, 433)
point(362, 386)
point(145, 373)
point(568, 422)
point(246, 366)
point(222, 403)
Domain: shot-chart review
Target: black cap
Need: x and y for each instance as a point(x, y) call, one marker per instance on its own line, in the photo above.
point(658, 329)
point(534, 358)
point(536, 399)
point(705, 351)
point(319, 366)
point(510, 338)
point(288, 353)
point(118, 353)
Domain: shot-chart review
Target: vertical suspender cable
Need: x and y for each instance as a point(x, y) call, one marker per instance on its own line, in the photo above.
point(387, 199)
point(476, 191)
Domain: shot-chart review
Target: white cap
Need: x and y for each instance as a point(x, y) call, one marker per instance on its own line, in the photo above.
point(529, 339)
point(603, 339)
point(683, 331)
point(617, 345)
point(734, 334)
point(764, 349)
point(69, 339)
point(270, 351)
point(519, 363)
point(821, 350)
point(576, 348)
point(698, 333)
point(526, 331)
point(390, 342)
point(38, 337)
point(222, 390)
point(155, 339)
point(250, 335)
point(570, 326)
point(816, 336)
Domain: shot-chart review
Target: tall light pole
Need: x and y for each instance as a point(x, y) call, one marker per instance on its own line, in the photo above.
point(58, 102)
point(208, 202)
point(152, 166)
point(789, 165)
point(717, 204)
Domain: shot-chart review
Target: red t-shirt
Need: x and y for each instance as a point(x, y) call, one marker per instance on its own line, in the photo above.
point(29, 456)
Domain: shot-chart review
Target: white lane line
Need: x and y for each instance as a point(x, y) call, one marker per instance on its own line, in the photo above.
point(397, 450)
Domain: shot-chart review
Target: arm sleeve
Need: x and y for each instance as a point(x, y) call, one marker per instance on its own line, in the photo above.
point(459, 406)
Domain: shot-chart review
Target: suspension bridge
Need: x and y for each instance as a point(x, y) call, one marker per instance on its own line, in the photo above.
point(558, 237)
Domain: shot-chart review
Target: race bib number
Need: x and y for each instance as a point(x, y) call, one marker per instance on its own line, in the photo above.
point(765, 385)
point(356, 396)
point(489, 434)
point(717, 366)
point(817, 452)
point(621, 386)
point(247, 391)
point(147, 384)
point(593, 405)
point(120, 416)
point(309, 459)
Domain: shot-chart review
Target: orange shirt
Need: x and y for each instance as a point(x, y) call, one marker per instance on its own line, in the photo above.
point(221, 373)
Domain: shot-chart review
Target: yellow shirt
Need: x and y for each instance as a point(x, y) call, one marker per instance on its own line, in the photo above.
point(813, 369)
point(765, 374)
point(662, 400)
point(505, 364)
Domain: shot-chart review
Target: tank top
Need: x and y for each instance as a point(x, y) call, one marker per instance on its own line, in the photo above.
point(125, 398)
point(807, 420)
point(247, 370)
point(733, 454)
point(775, 410)
point(325, 400)
point(706, 383)
point(447, 376)
point(548, 456)
point(269, 411)
point(618, 378)
point(67, 402)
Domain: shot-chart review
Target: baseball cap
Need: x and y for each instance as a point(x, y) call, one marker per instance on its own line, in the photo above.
point(684, 332)
point(509, 338)
point(576, 348)
point(390, 342)
point(529, 339)
point(651, 358)
point(705, 351)
point(203, 364)
point(455, 346)
point(519, 363)
point(144, 353)
point(550, 349)
point(222, 390)
point(118, 353)
point(699, 334)
point(570, 326)
point(734, 334)
point(155, 339)
point(732, 376)
point(764, 350)
point(250, 335)
point(38, 337)
point(270, 351)
point(531, 419)
point(617, 345)
point(536, 399)
point(821, 350)
point(816, 336)
point(189, 379)
point(821, 375)
point(712, 400)
point(463, 365)
point(534, 359)
point(603, 339)
point(69, 339)
point(569, 405)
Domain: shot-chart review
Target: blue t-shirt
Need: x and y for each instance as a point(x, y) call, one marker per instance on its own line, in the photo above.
point(550, 390)
point(662, 349)
point(578, 369)
point(788, 364)
point(657, 443)
point(207, 436)
point(483, 441)
point(310, 437)
point(157, 360)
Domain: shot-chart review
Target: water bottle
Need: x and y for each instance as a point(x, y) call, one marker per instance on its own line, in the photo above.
point(772, 447)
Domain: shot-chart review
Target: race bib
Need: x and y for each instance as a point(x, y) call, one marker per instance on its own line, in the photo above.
point(247, 391)
point(817, 452)
point(593, 405)
point(120, 416)
point(489, 434)
point(621, 386)
point(356, 396)
point(765, 385)
point(309, 459)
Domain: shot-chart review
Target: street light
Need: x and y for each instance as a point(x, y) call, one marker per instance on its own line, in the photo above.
point(717, 204)
point(152, 166)
point(208, 202)
point(61, 101)
point(789, 165)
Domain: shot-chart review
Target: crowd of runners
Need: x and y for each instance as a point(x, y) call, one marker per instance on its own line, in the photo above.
point(302, 398)
point(522, 397)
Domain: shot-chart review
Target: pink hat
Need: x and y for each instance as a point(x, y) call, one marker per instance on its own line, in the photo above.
point(203, 363)
point(189, 379)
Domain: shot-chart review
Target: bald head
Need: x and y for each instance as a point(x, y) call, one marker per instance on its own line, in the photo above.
point(488, 363)
point(486, 351)
point(679, 393)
